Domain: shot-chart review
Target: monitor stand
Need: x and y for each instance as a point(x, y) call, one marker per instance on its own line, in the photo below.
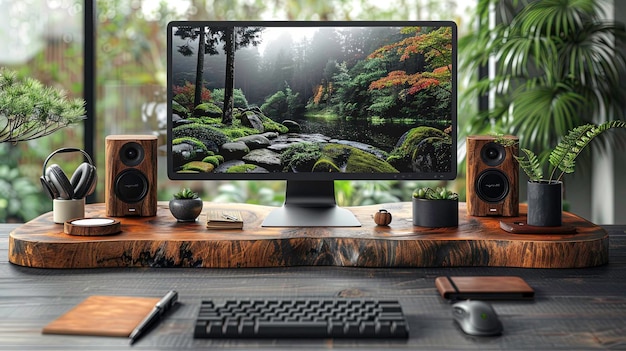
point(310, 204)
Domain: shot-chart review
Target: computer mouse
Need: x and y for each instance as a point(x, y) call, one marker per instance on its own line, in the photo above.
point(476, 317)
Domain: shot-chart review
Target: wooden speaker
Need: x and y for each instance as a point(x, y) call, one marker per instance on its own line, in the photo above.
point(492, 177)
point(131, 175)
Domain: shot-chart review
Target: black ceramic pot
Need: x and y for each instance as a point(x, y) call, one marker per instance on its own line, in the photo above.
point(435, 213)
point(186, 210)
point(545, 203)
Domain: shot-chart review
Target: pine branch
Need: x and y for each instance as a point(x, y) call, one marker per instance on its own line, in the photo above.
point(29, 110)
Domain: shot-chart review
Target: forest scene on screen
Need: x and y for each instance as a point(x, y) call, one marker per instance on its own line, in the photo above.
point(311, 99)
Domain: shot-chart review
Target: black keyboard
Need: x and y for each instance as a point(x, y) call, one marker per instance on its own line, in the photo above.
point(301, 318)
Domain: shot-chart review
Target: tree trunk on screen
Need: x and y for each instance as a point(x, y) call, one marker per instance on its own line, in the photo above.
point(229, 84)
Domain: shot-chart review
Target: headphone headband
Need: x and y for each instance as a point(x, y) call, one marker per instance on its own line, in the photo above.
point(64, 150)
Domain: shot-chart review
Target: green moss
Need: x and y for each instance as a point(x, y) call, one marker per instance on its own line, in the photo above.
point(236, 132)
point(208, 109)
point(423, 149)
point(213, 121)
point(245, 168)
point(179, 109)
point(301, 156)
point(272, 126)
point(198, 166)
point(200, 132)
point(414, 137)
point(192, 141)
point(353, 160)
point(214, 160)
point(325, 165)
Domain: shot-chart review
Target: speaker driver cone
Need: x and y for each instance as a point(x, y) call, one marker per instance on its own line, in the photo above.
point(131, 154)
point(131, 186)
point(492, 185)
point(493, 154)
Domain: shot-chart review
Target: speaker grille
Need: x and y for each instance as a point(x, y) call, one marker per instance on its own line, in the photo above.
point(131, 154)
point(492, 185)
point(131, 185)
point(493, 154)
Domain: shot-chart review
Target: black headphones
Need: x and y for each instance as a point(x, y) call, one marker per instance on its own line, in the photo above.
point(58, 186)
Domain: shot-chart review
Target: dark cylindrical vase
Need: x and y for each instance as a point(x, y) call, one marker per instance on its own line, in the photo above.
point(435, 213)
point(545, 203)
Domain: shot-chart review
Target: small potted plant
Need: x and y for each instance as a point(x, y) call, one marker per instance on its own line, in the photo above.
point(186, 205)
point(435, 208)
point(545, 196)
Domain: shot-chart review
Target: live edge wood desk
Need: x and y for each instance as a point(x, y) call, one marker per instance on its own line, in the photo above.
point(573, 309)
point(161, 241)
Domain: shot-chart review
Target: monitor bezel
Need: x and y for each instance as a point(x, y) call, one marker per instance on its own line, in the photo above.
point(317, 176)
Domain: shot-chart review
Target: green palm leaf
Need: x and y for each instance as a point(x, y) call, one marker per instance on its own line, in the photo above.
point(542, 113)
point(553, 17)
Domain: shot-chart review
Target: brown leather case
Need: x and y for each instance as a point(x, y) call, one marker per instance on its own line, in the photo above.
point(484, 287)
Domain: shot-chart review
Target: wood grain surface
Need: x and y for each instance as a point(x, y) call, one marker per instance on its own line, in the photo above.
point(161, 241)
point(573, 309)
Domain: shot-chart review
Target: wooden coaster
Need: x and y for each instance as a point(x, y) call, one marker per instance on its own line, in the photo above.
point(92, 226)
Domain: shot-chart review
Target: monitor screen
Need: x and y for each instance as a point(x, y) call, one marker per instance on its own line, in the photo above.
point(311, 101)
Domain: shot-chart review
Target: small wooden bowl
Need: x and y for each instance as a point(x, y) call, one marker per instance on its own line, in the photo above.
point(92, 226)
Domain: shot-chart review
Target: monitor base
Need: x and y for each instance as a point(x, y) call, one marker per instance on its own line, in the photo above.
point(295, 216)
point(310, 204)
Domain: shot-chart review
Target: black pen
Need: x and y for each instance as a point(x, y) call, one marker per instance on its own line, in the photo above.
point(159, 309)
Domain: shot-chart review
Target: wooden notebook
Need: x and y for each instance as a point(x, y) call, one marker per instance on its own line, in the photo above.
point(103, 316)
point(224, 219)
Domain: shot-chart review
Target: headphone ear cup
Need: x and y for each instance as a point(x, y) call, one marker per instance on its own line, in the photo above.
point(83, 180)
point(58, 180)
point(48, 188)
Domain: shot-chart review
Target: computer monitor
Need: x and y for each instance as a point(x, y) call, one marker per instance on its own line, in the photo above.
point(311, 103)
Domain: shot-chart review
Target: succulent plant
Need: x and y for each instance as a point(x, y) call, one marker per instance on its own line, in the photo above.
point(186, 193)
point(439, 193)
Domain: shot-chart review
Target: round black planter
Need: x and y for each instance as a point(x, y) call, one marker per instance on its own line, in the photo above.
point(186, 210)
point(545, 203)
point(435, 213)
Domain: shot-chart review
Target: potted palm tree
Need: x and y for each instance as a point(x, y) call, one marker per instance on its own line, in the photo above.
point(558, 64)
point(544, 196)
point(434, 208)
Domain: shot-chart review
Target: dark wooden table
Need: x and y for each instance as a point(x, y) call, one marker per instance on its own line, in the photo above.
point(573, 308)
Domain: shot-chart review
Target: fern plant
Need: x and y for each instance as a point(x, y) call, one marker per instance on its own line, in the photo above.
point(563, 158)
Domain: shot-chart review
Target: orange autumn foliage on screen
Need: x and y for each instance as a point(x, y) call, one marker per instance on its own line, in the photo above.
point(433, 46)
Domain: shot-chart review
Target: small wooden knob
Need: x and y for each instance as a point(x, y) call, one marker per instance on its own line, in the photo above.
point(382, 217)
